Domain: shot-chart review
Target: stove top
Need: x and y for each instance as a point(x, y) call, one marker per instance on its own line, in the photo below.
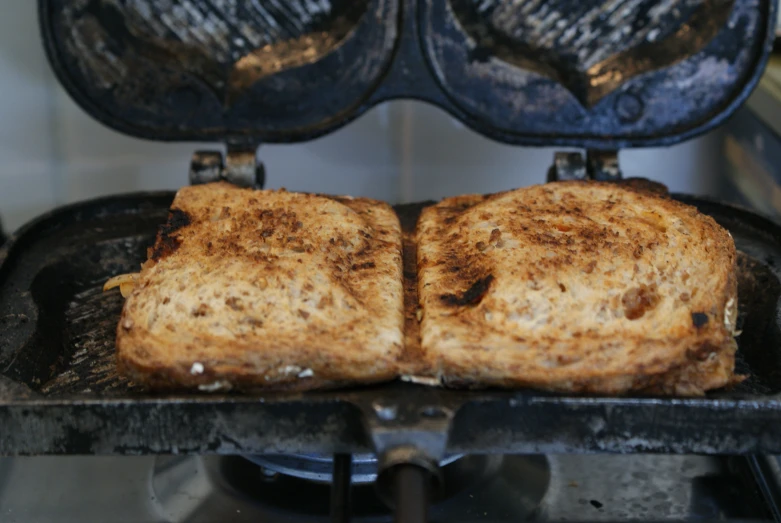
point(196, 489)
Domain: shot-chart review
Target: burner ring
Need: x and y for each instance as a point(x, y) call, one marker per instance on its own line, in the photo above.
point(234, 488)
point(319, 467)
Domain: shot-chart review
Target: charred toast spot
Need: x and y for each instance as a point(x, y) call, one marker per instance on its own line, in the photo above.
point(473, 296)
point(167, 242)
point(639, 300)
point(699, 319)
point(177, 219)
point(361, 266)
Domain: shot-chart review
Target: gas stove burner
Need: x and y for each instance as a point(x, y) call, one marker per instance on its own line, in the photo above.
point(319, 468)
point(234, 488)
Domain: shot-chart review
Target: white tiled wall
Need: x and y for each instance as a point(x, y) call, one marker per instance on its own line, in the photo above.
point(52, 153)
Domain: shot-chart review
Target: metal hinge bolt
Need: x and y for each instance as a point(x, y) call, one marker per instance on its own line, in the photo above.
point(597, 165)
point(239, 166)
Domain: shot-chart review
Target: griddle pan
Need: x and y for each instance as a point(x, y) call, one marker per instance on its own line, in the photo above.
point(60, 394)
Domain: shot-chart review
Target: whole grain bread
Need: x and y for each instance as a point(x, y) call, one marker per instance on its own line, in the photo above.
point(577, 287)
point(246, 289)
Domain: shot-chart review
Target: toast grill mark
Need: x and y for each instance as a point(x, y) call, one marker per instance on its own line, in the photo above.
point(473, 296)
point(167, 242)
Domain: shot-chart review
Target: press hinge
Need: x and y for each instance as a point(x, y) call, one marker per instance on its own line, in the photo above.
point(597, 165)
point(239, 166)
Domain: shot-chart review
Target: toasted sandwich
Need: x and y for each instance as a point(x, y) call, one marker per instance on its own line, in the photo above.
point(252, 289)
point(578, 287)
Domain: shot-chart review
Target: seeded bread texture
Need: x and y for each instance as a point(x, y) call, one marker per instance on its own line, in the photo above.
point(247, 289)
point(582, 287)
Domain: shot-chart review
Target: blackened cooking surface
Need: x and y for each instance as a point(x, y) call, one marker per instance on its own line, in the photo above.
point(76, 354)
point(57, 374)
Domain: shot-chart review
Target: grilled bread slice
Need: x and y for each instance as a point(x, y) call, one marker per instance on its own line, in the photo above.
point(246, 289)
point(577, 287)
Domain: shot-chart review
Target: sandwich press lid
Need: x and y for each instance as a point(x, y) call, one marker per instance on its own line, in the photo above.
point(601, 74)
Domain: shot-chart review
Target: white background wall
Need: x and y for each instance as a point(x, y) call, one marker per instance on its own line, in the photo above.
point(52, 153)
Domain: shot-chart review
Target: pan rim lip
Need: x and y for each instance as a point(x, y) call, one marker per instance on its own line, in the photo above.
point(517, 398)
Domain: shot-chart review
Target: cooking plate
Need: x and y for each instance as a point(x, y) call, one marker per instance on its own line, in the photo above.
point(58, 381)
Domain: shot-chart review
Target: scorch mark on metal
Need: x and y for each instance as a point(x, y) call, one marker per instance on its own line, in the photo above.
point(228, 53)
point(591, 47)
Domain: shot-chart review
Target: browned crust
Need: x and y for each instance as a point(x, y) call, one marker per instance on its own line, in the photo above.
point(163, 376)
